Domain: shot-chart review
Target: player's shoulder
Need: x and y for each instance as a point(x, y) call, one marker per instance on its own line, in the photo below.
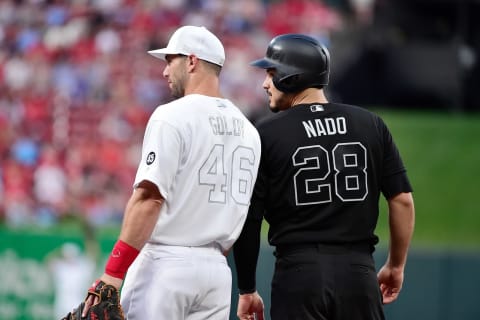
point(236, 112)
point(359, 113)
point(196, 103)
point(351, 108)
point(269, 120)
point(162, 110)
point(174, 111)
point(172, 106)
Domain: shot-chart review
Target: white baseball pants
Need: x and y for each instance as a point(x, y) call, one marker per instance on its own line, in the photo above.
point(172, 282)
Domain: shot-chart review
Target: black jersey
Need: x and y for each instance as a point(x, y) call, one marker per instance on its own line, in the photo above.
point(323, 168)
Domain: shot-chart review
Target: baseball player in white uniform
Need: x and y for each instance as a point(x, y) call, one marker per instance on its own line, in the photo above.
point(200, 158)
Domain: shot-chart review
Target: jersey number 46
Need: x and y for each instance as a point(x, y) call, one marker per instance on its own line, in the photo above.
point(225, 177)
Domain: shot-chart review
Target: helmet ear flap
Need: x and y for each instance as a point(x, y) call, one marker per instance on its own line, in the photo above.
point(287, 83)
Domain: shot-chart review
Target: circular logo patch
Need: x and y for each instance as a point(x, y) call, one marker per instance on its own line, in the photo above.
point(150, 158)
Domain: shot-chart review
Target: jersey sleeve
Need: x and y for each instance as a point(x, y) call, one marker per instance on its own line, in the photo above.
point(394, 177)
point(161, 152)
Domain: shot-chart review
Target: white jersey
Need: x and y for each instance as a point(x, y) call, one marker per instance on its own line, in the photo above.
point(203, 154)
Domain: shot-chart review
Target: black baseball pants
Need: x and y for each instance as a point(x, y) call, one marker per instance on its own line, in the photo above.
point(321, 282)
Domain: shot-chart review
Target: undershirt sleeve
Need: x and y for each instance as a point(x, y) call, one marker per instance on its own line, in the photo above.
point(247, 246)
point(245, 253)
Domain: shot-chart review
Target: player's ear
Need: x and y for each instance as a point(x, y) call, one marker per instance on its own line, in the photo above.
point(192, 60)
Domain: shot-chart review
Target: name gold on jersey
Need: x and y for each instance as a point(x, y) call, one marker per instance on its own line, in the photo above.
point(229, 126)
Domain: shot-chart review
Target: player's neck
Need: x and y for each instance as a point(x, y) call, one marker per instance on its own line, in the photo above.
point(206, 85)
point(309, 95)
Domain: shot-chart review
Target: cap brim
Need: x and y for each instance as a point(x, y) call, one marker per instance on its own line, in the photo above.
point(263, 63)
point(160, 53)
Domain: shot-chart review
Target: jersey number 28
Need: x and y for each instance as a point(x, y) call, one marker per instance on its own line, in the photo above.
point(312, 180)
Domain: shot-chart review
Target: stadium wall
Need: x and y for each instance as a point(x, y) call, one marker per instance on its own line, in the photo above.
point(438, 284)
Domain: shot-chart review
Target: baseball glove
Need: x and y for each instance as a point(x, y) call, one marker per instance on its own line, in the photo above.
point(108, 307)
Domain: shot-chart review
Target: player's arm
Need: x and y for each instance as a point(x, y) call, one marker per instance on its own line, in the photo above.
point(246, 250)
point(245, 253)
point(141, 214)
point(401, 223)
point(247, 246)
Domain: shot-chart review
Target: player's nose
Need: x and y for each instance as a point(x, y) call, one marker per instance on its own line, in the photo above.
point(266, 83)
point(166, 72)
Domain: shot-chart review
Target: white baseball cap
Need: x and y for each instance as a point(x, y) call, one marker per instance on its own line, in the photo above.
point(193, 40)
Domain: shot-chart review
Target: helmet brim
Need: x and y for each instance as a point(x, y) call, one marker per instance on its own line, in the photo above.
point(264, 63)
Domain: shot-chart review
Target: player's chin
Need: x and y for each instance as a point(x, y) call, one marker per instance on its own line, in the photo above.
point(274, 108)
point(276, 105)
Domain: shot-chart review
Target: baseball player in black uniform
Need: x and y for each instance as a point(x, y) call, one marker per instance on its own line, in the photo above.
point(323, 169)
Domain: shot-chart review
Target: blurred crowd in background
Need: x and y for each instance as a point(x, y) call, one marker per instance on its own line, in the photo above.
point(77, 87)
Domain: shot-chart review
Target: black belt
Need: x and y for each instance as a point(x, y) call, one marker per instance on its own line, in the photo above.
point(324, 248)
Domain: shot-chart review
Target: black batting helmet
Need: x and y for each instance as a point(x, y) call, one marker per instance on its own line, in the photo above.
point(300, 62)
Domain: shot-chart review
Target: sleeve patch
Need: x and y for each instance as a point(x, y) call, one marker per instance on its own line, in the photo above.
point(150, 158)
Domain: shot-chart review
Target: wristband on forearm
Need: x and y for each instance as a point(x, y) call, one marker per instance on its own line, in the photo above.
point(121, 257)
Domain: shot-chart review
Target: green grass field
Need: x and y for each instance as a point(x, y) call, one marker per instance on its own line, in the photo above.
point(442, 154)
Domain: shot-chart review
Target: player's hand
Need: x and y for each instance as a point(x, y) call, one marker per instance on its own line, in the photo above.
point(390, 280)
point(250, 307)
point(93, 299)
point(89, 302)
